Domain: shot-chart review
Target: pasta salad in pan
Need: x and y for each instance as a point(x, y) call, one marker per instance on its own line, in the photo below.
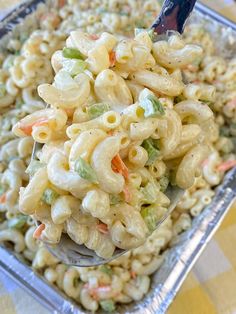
point(127, 117)
point(114, 136)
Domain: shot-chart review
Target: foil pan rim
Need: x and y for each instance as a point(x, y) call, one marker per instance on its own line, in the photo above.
point(215, 15)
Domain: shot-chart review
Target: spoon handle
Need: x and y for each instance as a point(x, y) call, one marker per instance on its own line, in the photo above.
point(173, 16)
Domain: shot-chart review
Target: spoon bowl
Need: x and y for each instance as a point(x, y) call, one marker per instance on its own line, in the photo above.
point(72, 253)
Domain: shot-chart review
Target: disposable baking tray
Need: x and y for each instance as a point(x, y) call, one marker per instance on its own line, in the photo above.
point(180, 259)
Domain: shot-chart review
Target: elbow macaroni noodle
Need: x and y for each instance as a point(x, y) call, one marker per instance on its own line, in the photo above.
point(112, 140)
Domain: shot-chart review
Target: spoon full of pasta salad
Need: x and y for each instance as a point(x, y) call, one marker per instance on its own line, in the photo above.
point(122, 139)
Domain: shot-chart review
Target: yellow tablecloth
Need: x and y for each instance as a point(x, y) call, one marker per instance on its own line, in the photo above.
point(210, 287)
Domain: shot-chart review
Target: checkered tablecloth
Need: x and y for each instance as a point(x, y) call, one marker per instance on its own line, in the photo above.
point(210, 288)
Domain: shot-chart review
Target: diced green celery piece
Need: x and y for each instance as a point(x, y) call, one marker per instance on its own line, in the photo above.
point(197, 61)
point(2, 189)
point(6, 123)
point(97, 110)
point(33, 167)
point(106, 269)
point(18, 104)
point(149, 215)
point(172, 177)
point(156, 143)
point(152, 151)
point(225, 131)
point(49, 196)
point(9, 62)
point(232, 129)
point(124, 13)
point(152, 107)
point(23, 37)
point(107, 305)
point(2, 90)
point(74, 66)
point(207, 102)
point(164, 182)
point(149, 193)
point(85, 170)
point(233, 140)
point(17, 222)
point(179, 99)
point(101, 10)
point(137, 31)
point(115, 199)
point(140, 23)
point(63, 80)
point(141, 30)
point(76, 281)
point(72, 53)
point(128, 28)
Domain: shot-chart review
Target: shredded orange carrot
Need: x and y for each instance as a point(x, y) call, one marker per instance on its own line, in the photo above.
point(70, 112)
point(226, 165)
point(110, 133)
point(127, 194)
point(44, 16)
point(93, 294)
point(232, 103)
point(94, 291)
point(48, 15)
point(27, 129)
point(93, 36)
point(192, 68)
point(3, 198)
point(56, 21)
point(52, 17)
point(112, 58)
point(38, 231)
point(61, 3)
point(119, 166)
point(158, 94)
point(101, 288)
point(205, 162)
point(102, 228)
point(133, 274)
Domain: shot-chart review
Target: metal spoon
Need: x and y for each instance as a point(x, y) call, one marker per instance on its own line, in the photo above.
point(173, 16)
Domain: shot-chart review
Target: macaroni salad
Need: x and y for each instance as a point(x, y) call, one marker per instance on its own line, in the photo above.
point(126, 117)
point(114, 136)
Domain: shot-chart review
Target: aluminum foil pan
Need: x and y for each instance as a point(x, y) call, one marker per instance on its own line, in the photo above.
point(179, 259)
